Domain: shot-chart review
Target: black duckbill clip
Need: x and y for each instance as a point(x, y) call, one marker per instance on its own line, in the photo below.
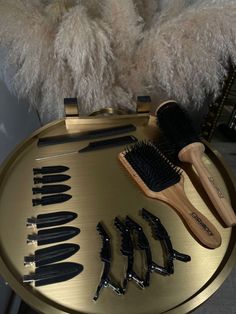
point(50, 169)
point(51, 219)
point(105, 255)
point(161, 234)
point(53, 235)
point(51, 189)
point(143, 244)
point(51, 254)
point(51, 178)
point(127, 249)
point(54, 273)
point(51, 199)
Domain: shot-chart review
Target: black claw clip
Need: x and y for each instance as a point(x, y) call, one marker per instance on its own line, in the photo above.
point(127, 249)
point(161, 234)
point(105, 255)
point(143, 244)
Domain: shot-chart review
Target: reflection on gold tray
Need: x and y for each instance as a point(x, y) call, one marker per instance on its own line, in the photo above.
point(101, 190)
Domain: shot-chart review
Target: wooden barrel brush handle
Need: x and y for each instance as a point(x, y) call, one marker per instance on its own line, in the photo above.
point(203, 230)
point(193, 153)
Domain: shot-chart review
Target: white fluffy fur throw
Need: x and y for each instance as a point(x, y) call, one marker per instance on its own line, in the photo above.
point(106, 52)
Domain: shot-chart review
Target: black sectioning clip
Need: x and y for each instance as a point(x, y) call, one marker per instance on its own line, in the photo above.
point(127, 249)
point(143, 244)
point(161, 234)
point(105, 255)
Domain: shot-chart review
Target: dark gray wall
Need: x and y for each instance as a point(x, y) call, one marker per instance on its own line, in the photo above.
point(16, 123)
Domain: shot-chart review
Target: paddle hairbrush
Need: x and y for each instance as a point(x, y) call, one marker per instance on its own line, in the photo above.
point(178, 128)
point(160, 179)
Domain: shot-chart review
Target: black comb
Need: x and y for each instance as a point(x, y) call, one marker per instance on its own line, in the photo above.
point(74, 137)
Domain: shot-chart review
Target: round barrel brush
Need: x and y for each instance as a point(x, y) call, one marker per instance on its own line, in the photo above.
point(178, 128)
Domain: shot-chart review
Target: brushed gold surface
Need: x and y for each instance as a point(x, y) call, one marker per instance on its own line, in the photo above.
point(101, 189)
point(109, 111)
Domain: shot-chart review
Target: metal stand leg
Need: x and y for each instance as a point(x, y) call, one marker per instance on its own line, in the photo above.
point(229, 129)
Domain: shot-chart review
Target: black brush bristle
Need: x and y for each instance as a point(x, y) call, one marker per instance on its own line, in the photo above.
point(177, 126)
point(168, 149)
point(157, 172)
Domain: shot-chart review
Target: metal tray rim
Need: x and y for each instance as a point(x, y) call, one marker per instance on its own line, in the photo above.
point(38, 303)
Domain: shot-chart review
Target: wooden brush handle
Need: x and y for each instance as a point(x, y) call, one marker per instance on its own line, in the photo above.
point(193, 153)
point(197, 223)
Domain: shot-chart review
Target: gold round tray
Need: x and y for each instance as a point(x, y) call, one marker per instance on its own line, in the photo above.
point(101, 190)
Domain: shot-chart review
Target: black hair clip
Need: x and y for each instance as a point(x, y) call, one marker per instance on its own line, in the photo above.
point(50, 169)
point(52, 235)
point(143, 244)
point(105, 255)
point(51, 254)
point(51, 199)
point(51, 178)
point(51, 189)
point(51, 219)
point(161, 234)
point(127, 249)
point(54, 273)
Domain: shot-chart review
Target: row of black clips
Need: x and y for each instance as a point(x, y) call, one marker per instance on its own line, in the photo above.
point(131, 232)
point(54, 192)
point(47, 270)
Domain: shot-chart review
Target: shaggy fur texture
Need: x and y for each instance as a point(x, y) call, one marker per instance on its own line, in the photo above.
point(107, 52)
